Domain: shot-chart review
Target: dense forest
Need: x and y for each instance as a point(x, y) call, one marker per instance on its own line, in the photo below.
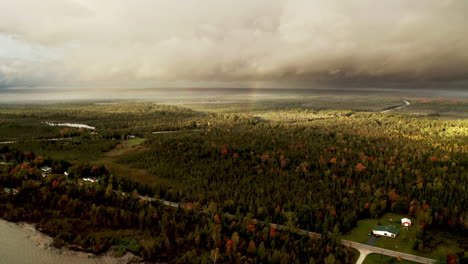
point(320, 170)
point(96, 217)
point(318, 177)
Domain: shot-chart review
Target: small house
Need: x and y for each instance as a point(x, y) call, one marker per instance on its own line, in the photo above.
point(131, 136)
point(388, 231)
point(46, 169)
point(406, 222)
point(92, 180)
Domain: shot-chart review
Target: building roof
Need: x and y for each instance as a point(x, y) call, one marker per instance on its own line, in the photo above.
point(406, 220)
point(390, 229)
point(90, 179)
point(46, 168)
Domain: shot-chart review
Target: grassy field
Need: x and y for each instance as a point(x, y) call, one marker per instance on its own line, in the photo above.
point(109, 160)
point(377, 259)
point(405, 240)
point(133, 142)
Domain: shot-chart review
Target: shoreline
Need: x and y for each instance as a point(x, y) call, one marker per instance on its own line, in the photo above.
point(44, 243)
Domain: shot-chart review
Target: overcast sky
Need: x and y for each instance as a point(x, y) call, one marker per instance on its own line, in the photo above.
point(266, 43)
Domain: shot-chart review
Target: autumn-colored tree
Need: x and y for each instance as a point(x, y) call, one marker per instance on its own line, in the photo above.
point(224, 150)
point(360, 167)
point(252, 248)
point(229, 247)
point(39, 160)
point(55, 184)
point(393, 196)
point(250, 227)
point(29, 155)
point(272, 232)
point(217, 219)
point(349, 182)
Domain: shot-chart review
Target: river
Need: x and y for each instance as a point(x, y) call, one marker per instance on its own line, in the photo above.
point(23, 244)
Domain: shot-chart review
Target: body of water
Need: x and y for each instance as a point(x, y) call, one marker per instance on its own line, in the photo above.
point(23, 244)
point(201, 95)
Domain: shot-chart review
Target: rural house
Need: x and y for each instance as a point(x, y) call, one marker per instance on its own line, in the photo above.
point(92, 180)
point(389, 231)
point(406, 222)
point(46, 170)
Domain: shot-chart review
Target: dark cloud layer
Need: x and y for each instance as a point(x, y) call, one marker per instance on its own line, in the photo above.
point(270, 42)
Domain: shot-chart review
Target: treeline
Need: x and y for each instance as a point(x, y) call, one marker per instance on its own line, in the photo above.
point(102, 216)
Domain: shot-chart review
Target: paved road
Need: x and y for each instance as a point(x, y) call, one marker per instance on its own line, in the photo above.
point(397, 107)
point(175, 131)
point(387, 252)
point(363, 249)
point(362, 256)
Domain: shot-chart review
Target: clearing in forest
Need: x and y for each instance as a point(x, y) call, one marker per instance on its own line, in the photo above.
point(109, 160)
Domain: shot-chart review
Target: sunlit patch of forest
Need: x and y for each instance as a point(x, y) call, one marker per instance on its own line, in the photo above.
point(292, 163)
point(439, 107)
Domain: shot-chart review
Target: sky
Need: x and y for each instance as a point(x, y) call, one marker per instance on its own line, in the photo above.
point(242, 43)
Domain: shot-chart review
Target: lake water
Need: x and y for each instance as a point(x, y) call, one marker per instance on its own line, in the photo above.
point(200, 95)
point(22, 244)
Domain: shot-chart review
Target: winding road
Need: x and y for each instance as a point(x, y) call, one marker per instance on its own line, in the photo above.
point(406, 103)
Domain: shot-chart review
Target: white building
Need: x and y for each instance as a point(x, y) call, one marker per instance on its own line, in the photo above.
point(46, 169)
point(90, 180)
point(388, 231)
point(406, 222)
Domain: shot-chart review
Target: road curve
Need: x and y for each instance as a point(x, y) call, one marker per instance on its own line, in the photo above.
point(397, 107)
point(387, 252)
point(363, 249)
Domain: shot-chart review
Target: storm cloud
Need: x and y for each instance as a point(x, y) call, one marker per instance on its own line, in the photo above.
point(273, 42)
